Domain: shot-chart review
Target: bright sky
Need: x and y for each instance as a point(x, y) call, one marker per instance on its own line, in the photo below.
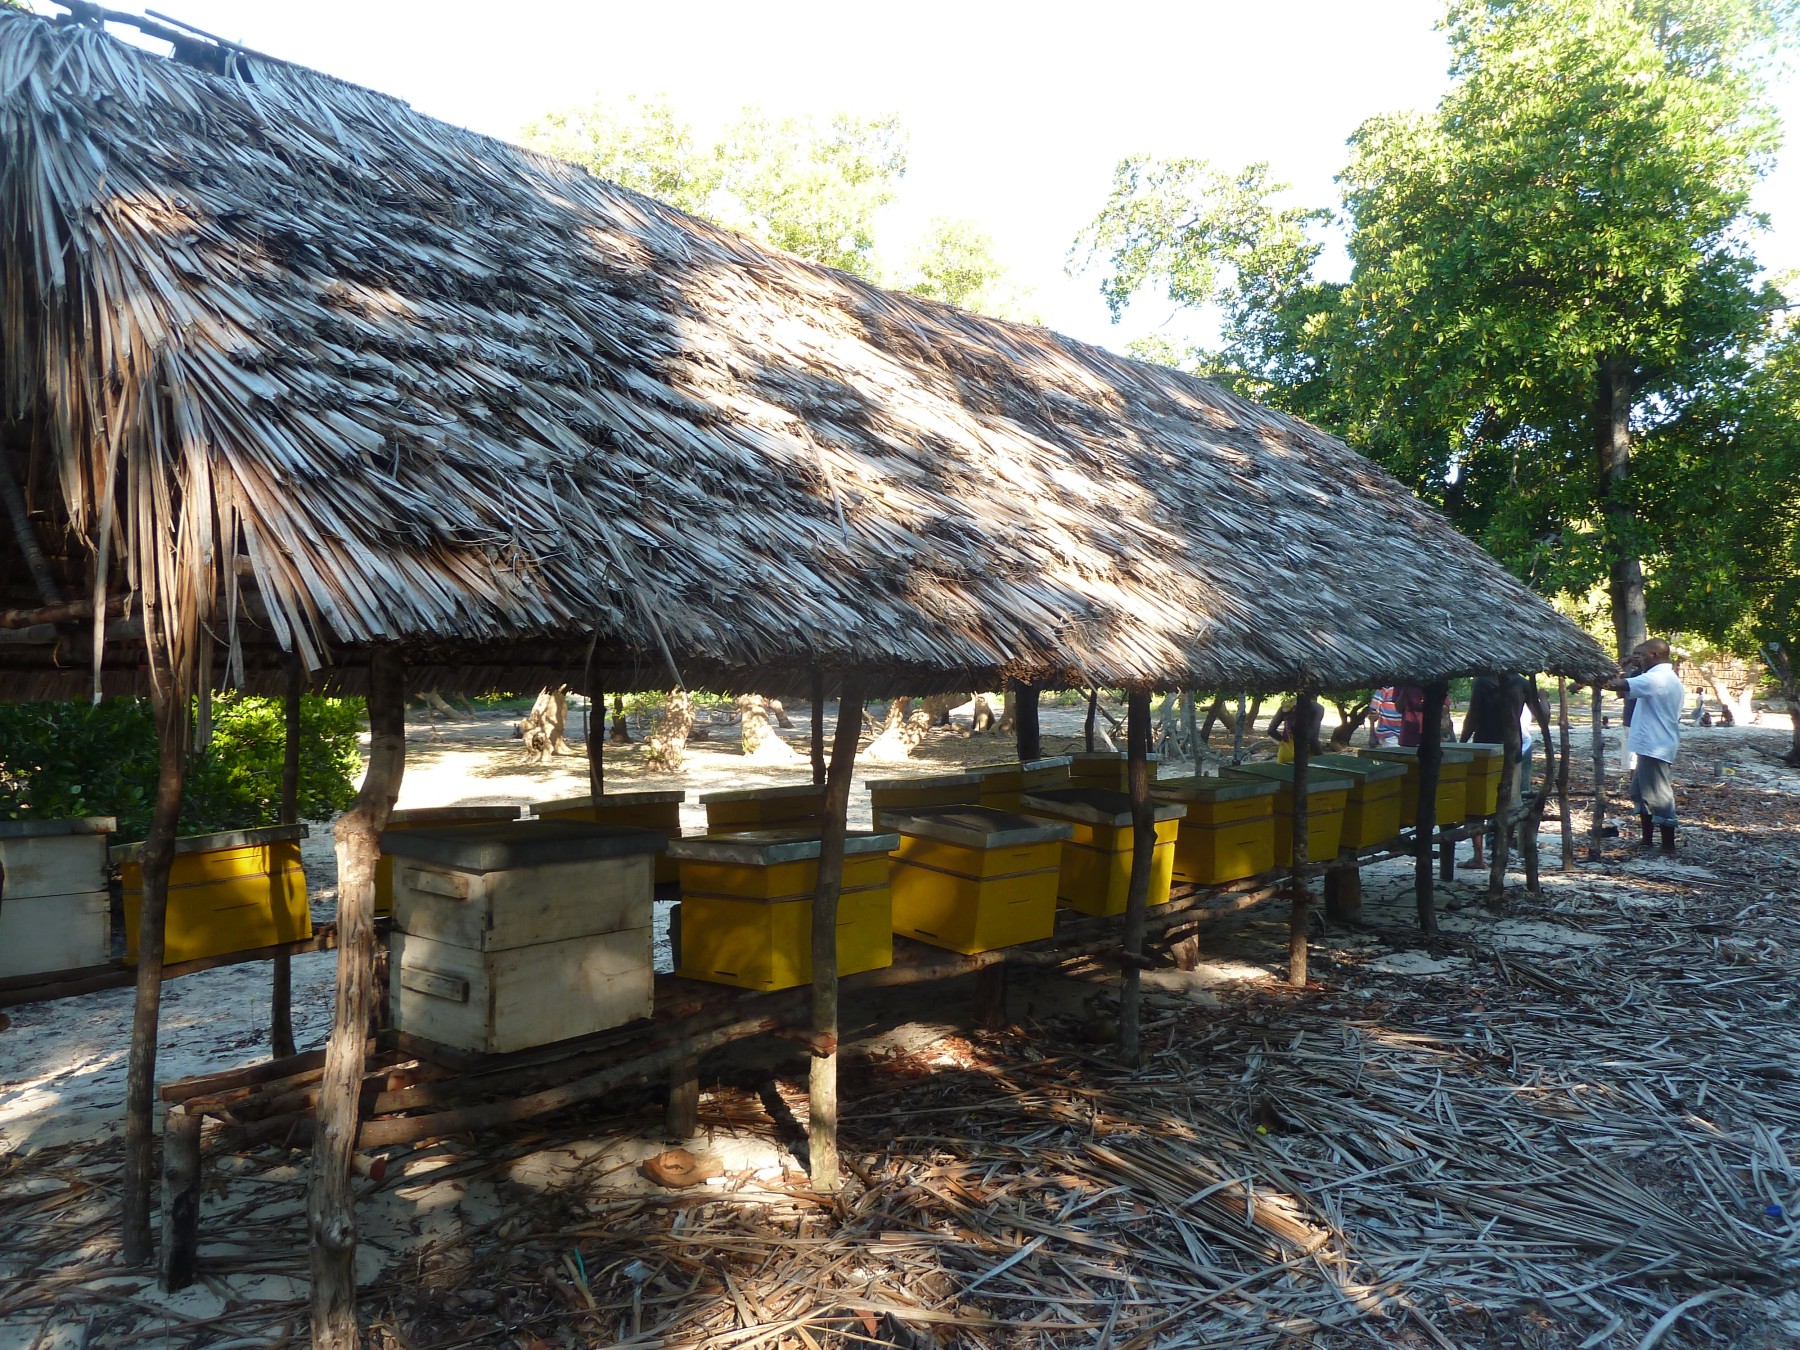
point(1017, 112)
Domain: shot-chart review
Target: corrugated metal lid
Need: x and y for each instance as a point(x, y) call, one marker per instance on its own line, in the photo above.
point(613, 799)
point(936, 780)
point(45, 829)
point(208, 843)
point(1213, 789)
point(1362, 768)
point(505, 845)
point(1094, 806)
point(759, 793)
point(974, 826)
point(761, 848)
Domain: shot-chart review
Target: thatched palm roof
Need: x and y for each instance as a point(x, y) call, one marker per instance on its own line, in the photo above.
point(358, 374)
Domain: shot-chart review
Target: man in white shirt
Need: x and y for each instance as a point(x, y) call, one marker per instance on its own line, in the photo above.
point(1655, 734)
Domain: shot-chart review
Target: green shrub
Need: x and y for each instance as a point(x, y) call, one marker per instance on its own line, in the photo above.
point(80, 759)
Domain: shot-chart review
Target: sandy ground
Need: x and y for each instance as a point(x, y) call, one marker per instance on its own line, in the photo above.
point(62, 1064)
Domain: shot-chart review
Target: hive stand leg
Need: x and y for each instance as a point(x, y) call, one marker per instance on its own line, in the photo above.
point(330, 1200)
point(683, 1116)
point(1564, 818)
point(1596, 844)
point(822, 1134)
point(281, 985)
point(180, 1199)
point(1431, 756)
point(818, 727)
point(1300, 914)
point(1137, 895)
point(1343, 889)
point(170, 695)
point(1025, 722)
point(1504, 805)
point(990, 997)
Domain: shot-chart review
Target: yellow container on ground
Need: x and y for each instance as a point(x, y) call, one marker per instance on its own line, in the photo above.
point(922, 794)
point(1485, 772)
point(743, 810)
point(973, 879)
point(1106, 769)
point(1096, 858)
point(230, 892)
point(1002, 785)
point(1453, 781)
point(638, 810)
point(746, 907)
point(1326, 796)
point(1229, 830)
point(432, 818)
point(1372, 810)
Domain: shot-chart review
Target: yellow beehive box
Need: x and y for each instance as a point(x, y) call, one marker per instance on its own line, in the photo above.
point(974, 879)
point(1372, 810)
point(1002, 785)
point(746, 907)
point(1229, 830)
point(431, 818)
point(764, 808)
point(890, 795)
point(1485, 772)
point(1326, 796)
point(1096, 858)
point(1453, 781)
point(1106, 769)
point(229, 892)
point(659, 811)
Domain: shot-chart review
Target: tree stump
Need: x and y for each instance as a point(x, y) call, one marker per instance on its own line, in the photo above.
point(762, 744)
point(668, 743)
point(542, 729)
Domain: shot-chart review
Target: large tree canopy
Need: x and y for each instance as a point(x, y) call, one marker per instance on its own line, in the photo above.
point(1549, 271)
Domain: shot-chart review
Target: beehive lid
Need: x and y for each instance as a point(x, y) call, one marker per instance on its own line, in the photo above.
point(1361, 767)
point(938, 780)
point(765, 848)
point(1214, 789)
point(1453, 754)
point(1105, 758)
point(763, 793)
point(975, 826)
point(1094, 806)
point(656, 798)
point(1482, 749)
point(508, 844)
point(45, 829)
point(209, 843)
point(1322, 781)
point(452, 815)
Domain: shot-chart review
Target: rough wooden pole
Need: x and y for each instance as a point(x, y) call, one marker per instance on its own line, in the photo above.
point(1533, 824)
point(1238, 733)
point(1595, 846)
point(330, 1199)
point(1190, 726)
point(682, 1116)
point(596, 739)
point(1300, 913)
point(181, 1187)
point(1092, 712)
point(281, 979)
point(1431, 758)
point(1025, 723)
point(1505, 803)
point(1143, 857)
point(1564, 815)
point(171, 697)
point(818, 727)
point(822, 1134)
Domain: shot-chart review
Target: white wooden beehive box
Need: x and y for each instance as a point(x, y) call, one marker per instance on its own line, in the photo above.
point(54, 910)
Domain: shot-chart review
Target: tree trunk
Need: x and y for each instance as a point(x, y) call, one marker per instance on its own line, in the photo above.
point(621, 730)
point(780, 712)
point(330, 1201)
point(1597, 826)
point(1244, 719)
point(1300, 914)
point(900, 735)
point(281, 1020)
point(668, 743)
point(1737, 708)
point(762, 744)
point(1009, 715)
point(822, 1142)
point(1787, 682)
point(1564, 816)
point(1431, 758)
point(981, 715)
point(1137, 894)
point(1504, 805)
point(1087, 727)
point(1612, 431)
point(543, 728)
point(937, 709)
point(171, 693)
point(1025, 723)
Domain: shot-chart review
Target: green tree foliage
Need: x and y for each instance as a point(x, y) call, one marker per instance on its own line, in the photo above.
point(956, 262)
point(78, 759)
point(1565, 237)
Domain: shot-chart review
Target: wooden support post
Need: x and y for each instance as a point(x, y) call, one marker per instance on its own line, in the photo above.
point(171, 693)
point(1025, 722)
point(1562, 774)
point(596, 736)
point(1238, 733)
point(1595, 846)
point(1300, 912)
point(822, 1133)
point(1137, 894)
point(1431, 758)
point(1505, 803)
point(1190, 727)
point(1092, 712)
point(330, 1200)
point(990, 997)
point(818, 727)
point(180, 1199)
point(1343, 889)
point(683, 1114)
point(281, 978)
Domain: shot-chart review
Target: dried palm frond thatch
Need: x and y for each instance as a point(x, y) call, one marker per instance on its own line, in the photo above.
point(326, 371)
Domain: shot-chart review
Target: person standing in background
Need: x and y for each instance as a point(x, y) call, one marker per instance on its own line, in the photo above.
point(1656, 698)
point(1384, 717)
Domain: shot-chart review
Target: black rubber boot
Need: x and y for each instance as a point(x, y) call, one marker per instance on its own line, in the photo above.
point(1668, 838)
point(1649, 830)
